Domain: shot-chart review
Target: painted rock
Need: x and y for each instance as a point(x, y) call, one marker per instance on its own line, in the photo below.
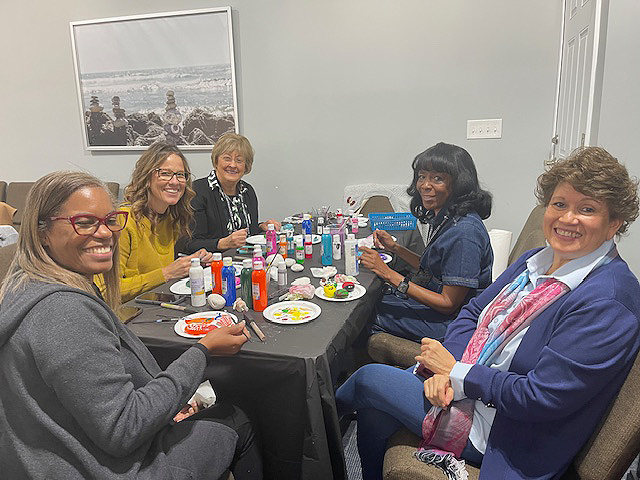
point(216, 301)
point(348, 286)
point(296, 267)
point(329, 290)
point(341, 293)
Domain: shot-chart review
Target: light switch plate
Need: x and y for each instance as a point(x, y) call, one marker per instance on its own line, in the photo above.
point(487, 128)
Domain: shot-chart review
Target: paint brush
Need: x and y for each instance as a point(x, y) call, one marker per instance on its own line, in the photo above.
point(255, 327)
point(178, 307)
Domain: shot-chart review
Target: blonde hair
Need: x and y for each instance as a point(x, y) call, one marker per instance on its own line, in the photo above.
point(230, 142)
point(32, 262)
point(136, 193)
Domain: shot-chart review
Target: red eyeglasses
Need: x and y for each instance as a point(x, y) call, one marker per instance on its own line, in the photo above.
point(84, 224)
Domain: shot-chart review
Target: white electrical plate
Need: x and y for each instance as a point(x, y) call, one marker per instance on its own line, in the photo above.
point(488, 128)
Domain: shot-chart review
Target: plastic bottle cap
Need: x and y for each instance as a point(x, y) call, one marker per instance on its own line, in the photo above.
point(271, 226)
point(217, 256)
point(246, 263)
point(227, 261)
point(283, 238)
point(326, 230)
point(306, 216)
point(257, 249)
point(307, 237)
point(320, 220)
point(351, 213)
point(336, 237)
point(351, 236)
point(195, 262)
point(282, 266)
point(258, 266)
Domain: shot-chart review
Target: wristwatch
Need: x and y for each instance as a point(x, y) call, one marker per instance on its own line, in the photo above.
point(403, 286)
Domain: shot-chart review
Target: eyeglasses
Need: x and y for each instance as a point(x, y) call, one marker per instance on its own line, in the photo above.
point(85, 224)
point(229, 160)
point(167, 175)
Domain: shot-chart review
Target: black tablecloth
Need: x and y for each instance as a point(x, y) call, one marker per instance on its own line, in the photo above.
point(285, 385)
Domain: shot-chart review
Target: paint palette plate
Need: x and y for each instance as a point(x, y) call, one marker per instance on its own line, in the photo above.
point(292, 312)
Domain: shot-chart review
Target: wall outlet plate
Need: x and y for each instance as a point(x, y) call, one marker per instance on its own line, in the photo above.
point(487, 128)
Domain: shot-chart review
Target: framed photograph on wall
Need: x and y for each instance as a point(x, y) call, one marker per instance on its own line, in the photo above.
point(165, 76)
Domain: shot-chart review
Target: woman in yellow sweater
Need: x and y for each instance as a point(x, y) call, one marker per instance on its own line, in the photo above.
point(158, 200)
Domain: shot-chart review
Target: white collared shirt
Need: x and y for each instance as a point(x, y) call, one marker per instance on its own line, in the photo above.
point(571, 274)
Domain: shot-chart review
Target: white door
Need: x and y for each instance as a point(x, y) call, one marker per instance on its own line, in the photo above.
point(580, 76)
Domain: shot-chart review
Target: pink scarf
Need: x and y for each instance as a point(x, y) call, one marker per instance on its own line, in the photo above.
point(445, 432)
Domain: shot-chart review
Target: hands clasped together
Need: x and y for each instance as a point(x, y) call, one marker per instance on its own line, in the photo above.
point(436, 358)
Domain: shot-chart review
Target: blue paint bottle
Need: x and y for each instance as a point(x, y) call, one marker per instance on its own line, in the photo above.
point(306, 224)
point(327, 258)
point(228, 281)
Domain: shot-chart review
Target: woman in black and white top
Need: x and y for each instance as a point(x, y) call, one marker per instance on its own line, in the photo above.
point(226, 207)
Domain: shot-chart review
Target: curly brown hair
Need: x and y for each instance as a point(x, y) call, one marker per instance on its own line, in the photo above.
point(136, 193)
point(594, 172)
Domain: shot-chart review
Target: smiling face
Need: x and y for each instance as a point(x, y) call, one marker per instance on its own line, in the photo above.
point(434, 189)
point(83, 254)
point(163, 193)
point(230, 167)
point(575, 224)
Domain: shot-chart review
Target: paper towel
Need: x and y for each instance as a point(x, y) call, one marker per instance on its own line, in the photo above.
point(501, 245)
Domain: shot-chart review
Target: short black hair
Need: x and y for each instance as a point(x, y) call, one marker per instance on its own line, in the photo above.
point(466, 194)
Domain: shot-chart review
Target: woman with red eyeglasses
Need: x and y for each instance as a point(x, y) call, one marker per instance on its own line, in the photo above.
point(81, 395)
point(158, 200)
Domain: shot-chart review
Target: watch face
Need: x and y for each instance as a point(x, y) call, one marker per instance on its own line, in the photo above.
point(403, 286)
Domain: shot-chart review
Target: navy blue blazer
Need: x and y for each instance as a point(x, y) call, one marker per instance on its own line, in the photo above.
point(566, 372)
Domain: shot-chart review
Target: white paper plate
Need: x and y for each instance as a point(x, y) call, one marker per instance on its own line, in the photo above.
point(386, 258)
point(315, 239)
point(181, 324)
point(259, 239)
point(181, 287)
point(357, 293)
point(292, 312)
point(292, 219)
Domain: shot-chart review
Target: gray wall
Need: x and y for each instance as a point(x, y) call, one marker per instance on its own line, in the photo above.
point(332, 93)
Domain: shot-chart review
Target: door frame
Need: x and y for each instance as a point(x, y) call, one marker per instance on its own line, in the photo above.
point(601, 21)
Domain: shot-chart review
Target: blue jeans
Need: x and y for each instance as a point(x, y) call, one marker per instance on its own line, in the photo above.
point(386, 399)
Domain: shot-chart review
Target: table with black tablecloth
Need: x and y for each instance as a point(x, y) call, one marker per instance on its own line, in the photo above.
point(285, 385)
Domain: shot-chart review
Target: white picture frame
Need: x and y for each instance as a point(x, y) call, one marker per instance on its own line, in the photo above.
point(162, 76)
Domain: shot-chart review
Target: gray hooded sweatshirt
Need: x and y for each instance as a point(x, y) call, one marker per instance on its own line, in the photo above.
point(82, 397)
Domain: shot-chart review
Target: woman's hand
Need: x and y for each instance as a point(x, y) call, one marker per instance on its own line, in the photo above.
point(235, 240)
point(265, 225)
point(188, 410)
point(435, 357)
point(381, 239)
point(438, 390)
point(179, 268)
point(204, 256)
point(225, 340)
point(371, 260)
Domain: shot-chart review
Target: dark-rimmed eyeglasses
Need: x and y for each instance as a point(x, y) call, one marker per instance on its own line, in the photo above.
point(166, 175)
point(84, 224)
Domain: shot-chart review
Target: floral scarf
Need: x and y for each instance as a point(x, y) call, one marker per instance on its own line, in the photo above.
point(236, 206)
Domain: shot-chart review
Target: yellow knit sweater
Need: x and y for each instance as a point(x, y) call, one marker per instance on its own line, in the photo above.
point(143, 255)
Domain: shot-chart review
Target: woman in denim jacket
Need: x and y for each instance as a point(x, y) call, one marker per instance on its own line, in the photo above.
point(456, 263)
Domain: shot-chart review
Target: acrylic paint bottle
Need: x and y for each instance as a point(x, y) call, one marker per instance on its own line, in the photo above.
point(306, 224)
point(259, 287)
point(327, 254)
point(245, 282)
point(282, 246)
point(337, 247)
point(228, 281)
point(272, 239)
point(282, 274)
point(216, 273)
point(291, 247)
point(300, 251)
point(308, 246)
point(196, 283)
point(351, 255)
point(257, 255)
